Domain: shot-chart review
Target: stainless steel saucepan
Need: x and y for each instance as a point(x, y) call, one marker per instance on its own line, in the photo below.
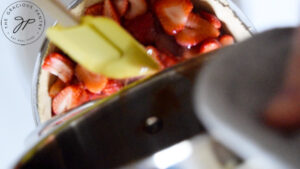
point(162, 121)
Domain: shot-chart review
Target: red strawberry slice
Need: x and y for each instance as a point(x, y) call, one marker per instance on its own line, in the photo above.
point(142, 28)
point(167, 60)
point(168, 45)
point(210, 45)
point(110, 11)
point(151, 2)
point(60, 66)
point(197, 29)
point(112, 87)
point(207, 46)
point(94, 96)
point(192, 52)
point(93, 82)
point(136, 8)
point(69, 98)
point(173, 14)
point(121, 6)
point(163, 59)
point(154, 53)
point(226, 40)
point(95, 10)
point(188, 38)
point(211, 19)
point(56, 87)
point(194, 21)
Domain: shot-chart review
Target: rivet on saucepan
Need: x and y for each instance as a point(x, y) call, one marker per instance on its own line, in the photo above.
point(153, 125)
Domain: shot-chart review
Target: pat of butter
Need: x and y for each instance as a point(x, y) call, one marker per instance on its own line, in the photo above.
point(102, 46)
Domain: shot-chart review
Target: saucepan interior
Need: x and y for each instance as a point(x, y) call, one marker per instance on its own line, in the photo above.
point(235, 23)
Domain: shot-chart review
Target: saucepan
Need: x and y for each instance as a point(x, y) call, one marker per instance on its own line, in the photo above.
point(155, 115)
point(158, 123)
point(233, 19)
point(152, 124)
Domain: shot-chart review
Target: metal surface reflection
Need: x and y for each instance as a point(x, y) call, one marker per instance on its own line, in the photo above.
point(200, 152)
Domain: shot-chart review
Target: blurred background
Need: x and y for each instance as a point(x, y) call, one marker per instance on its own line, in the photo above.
point(268, 14)
point(16, 117)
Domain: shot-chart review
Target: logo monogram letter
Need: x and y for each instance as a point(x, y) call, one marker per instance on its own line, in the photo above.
point(23, 23)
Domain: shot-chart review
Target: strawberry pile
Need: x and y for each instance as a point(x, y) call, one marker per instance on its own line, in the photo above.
point(171, 30)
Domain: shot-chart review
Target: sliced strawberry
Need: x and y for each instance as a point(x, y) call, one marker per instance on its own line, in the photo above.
point(60, 66)
point(112, 87)
point(154, 53)
point(168, 45)
point(197, 29)
point(136, 8)
point(167, 60)
point(142, 28)
point(204, 47)
point(194, 21)
point(209, 45)
point(110, 11)
point(163, 59)
point(173, 14)
point(93, 96)
point(188, 38)
point(93, 82)
point(192, 52)
point(70, 97)
point(211, 19)
point(121, 6)
point(226, 40)
point(56, 87)
point(151, 2)
point(95, 10)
